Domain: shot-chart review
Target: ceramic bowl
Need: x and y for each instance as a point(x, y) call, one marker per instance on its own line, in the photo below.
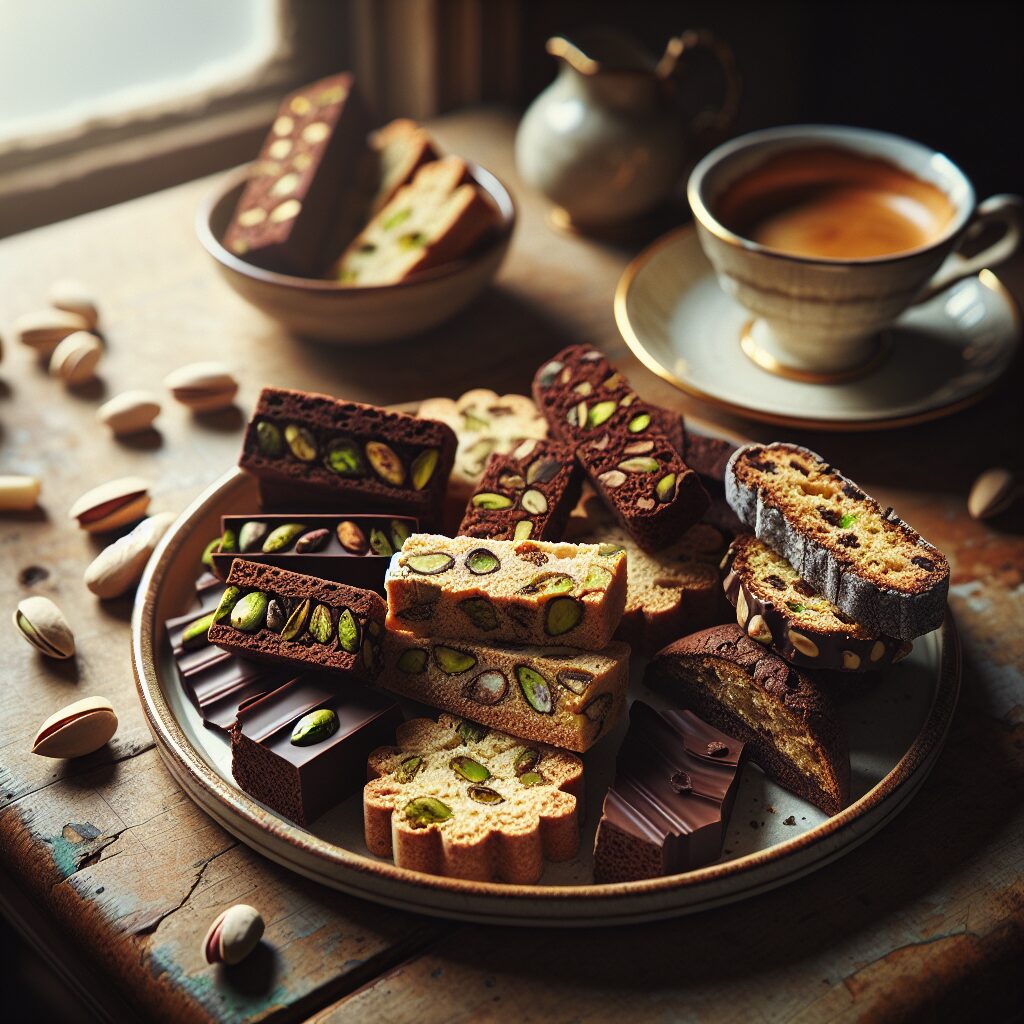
point(325, 310)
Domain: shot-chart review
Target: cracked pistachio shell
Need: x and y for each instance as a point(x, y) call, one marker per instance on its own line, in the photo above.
point(119, 566)
point(296, 624)
point(352, 538)
point(315, 540)
point(76, 730)
point(112, 504)
point(233, 935)
point(129, 412)
point(489, 687)
point(202, 387)
point(43, 625)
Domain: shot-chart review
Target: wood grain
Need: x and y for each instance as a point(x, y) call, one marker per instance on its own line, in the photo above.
point(114, 866)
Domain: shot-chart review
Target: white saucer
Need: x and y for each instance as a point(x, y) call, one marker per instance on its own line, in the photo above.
point(939, 357)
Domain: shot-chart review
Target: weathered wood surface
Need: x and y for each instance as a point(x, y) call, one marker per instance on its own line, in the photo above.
point(113, 870)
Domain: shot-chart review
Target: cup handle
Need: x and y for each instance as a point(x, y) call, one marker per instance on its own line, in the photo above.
point(1007, 210)
point(709, 125)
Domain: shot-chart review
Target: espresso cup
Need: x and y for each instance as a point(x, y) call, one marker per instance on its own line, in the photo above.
point(820, 316)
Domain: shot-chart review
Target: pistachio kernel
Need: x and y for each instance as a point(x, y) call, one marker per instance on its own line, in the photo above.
point(311, 542)
point(300, 442)
point(342, 456)
point(562, 615)
point(484, 795)
point(369, 652)
point(523, 530)
point(536, 689)
point(425, 811)
point(607, 550)
point(491, 501)
point(526, 760)
point(542, 470)
point(490, 687)
point(549, 583)
point(548, 373)
point(228, 600)
point(534, 502)
point(250, 537)
point(209, 551)
point(470, 732)
point(379, 543)
point(612, 478)
point(408, 769)
point(665, 488)
point(315, 727)
point(413, 661)
point(480, 562)
point(269, 440)
point(599, 414)
point(296, 624)
point(638, 424)
point(640, 464)
point(529, 779)
point(470, 770)
point(451, 661)
point(321, 626)
point(423, 466)
point(386, 464)
point(430, 563)
point(195, 634)
point(597, 579)
point(638, 448)
point(400, 533)
point(348, 631)
point(480, 612)
point(281, 537)
point(352, 538)
point(250, 612)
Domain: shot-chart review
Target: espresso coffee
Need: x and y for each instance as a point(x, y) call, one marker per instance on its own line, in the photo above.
point(831, 203)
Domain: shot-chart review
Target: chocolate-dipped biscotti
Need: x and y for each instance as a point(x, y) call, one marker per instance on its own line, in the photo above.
point(280, 616)
point(791, 728)
point(558, 695)
point(865, 560)
point(533, 592)
point(465, 802)
point(310, 163)
point(313, 450)
point(526, 495)
point(346, 549)
point(302, 748)
point(779, 609)
point(675, 783)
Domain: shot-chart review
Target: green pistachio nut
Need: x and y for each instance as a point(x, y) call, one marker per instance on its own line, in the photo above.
point(562, 615)
point(195, 634)
point(315, 727)
point(228, 600)
point(408, 769)
point(523, 530)
point(430, 563)
point(549, 583)
point(296, 624)
point(480, 612)
point(321, 626)
point(281, 537)
point(481, 562)
point(342, 456)
point(451, 661)
point(228, 542)
point(209, 551)
point(665, 488)
point(470, 770)
point(470, 732)
point(269, 440)
point(484, 795)
point(491, 501)
point(423, 466)
point(526, 760)
point(251, 612)
point(599, 414)
point(536, 689)
point(379, 543)
point(639, 423)
point(639, 464)
point(301, 442)
point(413, 661)
point(598, 578)
point(348, 631)
point(385, 463)
point(400, 533)
point(425, 811)
point(529, 779)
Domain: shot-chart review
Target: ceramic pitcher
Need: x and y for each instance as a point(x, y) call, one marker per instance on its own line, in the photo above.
point(609, 140)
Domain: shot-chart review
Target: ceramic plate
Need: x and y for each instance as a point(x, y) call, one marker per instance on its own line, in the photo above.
point(897, 728)
point(939, 357)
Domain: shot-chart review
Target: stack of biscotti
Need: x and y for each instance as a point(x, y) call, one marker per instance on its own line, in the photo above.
point(630, 451)
point(515, 636)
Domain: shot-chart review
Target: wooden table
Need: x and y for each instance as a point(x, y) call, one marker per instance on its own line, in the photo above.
point(114, 874)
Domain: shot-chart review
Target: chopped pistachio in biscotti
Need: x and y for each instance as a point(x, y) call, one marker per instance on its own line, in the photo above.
point(532, 592)
point(779, 609)
point(455, 799)
point(558, 695)
point(869, 563)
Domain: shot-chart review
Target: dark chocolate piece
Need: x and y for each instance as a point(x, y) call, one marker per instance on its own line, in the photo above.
point(652, 492)
point(303, 779)
point(312, 452)
point(708, 457)
point(790, 726)
point(286, 617)
point(527, 495)
point(581, 394)
point(311, 163)
point(675, 782)
point(346, 549)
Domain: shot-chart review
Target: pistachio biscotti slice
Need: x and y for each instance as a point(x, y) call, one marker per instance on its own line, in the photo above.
point(865, 560)
point(451, 799)
point(531, 592)
point(437, 217)
point(779, 609)
point(401, 147)
point(556, 695)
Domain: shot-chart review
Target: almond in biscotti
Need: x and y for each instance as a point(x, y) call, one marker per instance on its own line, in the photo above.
point(870, 564)
point(463, 801)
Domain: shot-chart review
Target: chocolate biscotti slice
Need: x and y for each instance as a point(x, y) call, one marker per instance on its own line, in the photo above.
point(275, 615)
point(708, 457)
point(646, 484)
point(302, 748)
point(865, 560)
point(310, 162)
point(558, 695)
point(460, 801)
point(779, 609)
point(790, 726)
point(526, 495)
point(531, 592)
point(438, 217)
point(675, 783)
point(401, 148)
point(313, 450)
point(581, 394)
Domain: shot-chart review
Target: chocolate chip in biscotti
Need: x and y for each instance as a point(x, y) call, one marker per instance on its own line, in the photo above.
point(530, 592)
point(309, 165)
point(526, 495)
point(475, 804)
point(865, 560)
point(790, 726)
point(581, 394)
point(560, 695)
point(779, 609)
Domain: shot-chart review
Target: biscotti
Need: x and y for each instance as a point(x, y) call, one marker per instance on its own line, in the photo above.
point(280, 616)
point(311, 161)
point(527, 495)
point(581, 394)
point(532, 592)
point(791, 728)
point(645, 483)
point(400, 148)
point(302, 748)
point(708, 457)
point(468, 803)
point(865, 560)
point(485, 423)
point(309, 449)
point(346, 549)
point(779, 609)
point(558, 695)
point(675, 783)
point(438, 217)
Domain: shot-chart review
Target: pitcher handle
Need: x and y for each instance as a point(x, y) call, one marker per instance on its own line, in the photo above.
point(713, 123)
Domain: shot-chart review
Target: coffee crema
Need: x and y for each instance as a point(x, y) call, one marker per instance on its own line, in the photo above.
point(830, 203)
